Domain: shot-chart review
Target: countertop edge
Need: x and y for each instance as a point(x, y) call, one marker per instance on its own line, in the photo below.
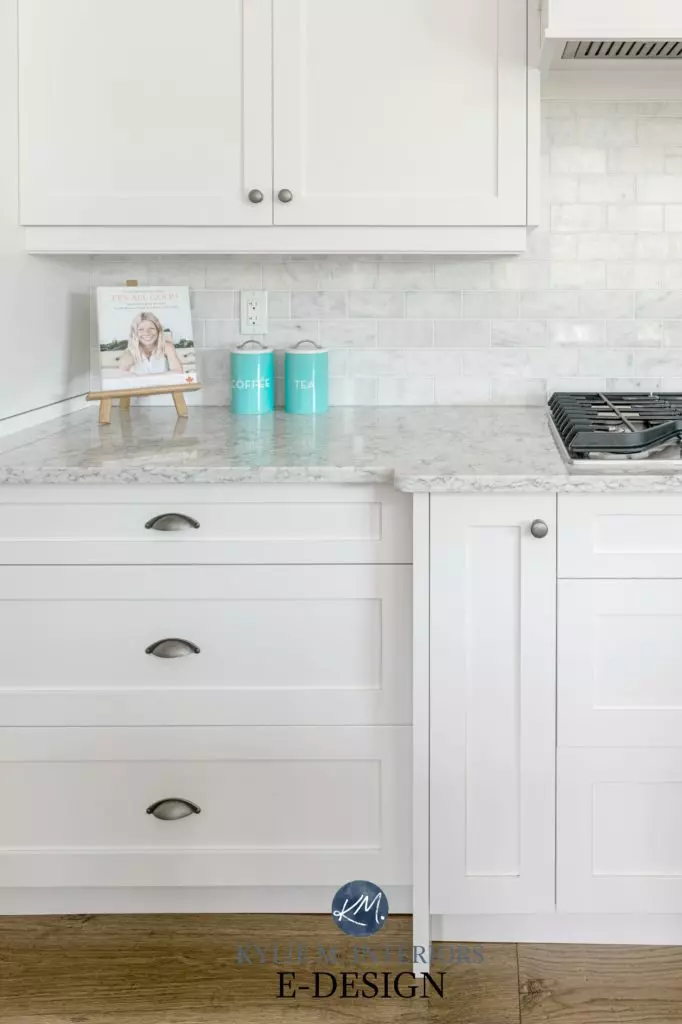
point(405, 482)
point(26, 476)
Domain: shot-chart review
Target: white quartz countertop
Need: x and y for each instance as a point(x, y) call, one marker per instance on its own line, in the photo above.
point(458, 449)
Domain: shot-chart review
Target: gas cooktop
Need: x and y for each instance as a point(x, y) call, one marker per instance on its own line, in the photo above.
point(604, 426)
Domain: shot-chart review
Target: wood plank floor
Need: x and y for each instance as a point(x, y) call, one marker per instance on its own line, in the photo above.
point(184, 969)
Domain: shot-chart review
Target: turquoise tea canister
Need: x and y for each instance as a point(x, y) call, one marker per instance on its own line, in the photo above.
point(306, 378)
point(252, 369)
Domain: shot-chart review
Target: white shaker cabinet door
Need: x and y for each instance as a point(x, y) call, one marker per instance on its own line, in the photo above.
point(619, 658)
point(145, 112)
point(619, 835)
point(492, 704)
point(400, 112)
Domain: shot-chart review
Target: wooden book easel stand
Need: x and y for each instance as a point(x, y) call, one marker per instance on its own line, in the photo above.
point(106, 398)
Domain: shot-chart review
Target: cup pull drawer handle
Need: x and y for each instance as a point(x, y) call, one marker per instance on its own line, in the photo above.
point(173, 808)
point(172, 521)
point(172, 647)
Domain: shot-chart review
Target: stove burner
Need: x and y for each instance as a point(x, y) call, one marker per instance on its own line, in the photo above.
point(616, 425)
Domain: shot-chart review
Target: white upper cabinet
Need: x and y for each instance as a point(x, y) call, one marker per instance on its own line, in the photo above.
point(275, 125)
point(400, 112)
point(144, 112)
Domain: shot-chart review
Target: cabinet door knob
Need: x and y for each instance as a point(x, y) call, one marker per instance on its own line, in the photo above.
point(539, 528)
point(172, 647)
point(172, 521)
point(285, 195)
point(256, 196)
point(173, 808)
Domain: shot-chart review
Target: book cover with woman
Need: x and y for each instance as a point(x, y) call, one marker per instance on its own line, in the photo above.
point(145, 338)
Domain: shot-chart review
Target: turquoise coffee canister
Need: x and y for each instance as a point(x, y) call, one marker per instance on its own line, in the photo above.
point(306, 378)
point(252, 368)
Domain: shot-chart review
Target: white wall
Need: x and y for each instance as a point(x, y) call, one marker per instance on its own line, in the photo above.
point(44, 302)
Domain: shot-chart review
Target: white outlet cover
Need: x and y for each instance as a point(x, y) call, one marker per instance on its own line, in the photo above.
point(254, 312)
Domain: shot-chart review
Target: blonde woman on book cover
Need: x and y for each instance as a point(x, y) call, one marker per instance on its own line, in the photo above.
point(149, 348)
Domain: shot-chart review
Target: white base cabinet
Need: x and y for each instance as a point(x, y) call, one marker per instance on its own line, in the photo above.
point(492, 704)
point(619, 783)
point(274, 806)
point(252, 664)
point(289, 726)
point(495, 662)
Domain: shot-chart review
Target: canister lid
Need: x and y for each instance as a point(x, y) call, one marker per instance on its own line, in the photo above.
point(251, 347)
point(306, 347)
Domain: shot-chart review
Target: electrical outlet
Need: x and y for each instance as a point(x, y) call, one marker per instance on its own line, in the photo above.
point(254, 312)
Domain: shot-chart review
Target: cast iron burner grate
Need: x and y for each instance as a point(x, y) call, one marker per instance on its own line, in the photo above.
point(616, 424)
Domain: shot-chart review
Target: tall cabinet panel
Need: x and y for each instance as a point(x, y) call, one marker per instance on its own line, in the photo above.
point(145, 112)
point(493, 589)
point(400, 113)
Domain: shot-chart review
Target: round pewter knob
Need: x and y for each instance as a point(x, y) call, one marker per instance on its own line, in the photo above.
point(539, 528)
point(255, 196)
point(284, 195)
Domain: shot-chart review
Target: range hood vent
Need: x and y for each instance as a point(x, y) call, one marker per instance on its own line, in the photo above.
point(623, 49)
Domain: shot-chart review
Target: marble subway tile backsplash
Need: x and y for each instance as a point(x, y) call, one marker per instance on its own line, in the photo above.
point(595, 302)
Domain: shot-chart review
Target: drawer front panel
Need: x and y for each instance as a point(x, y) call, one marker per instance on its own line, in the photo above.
point(258, 524)
point(620, 536)
point(267, 644)
point(619, 836)
point(620, 663)
point(76, 807)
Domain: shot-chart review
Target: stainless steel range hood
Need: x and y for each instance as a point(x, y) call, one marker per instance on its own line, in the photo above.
point(612, 33)
point(622, 49)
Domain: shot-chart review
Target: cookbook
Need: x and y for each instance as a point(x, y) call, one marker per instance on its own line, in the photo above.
point(145, 338)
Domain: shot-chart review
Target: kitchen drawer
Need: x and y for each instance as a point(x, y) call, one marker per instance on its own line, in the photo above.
point(240, 524)
point(619, 663)
point(620, 536)
point(278, 806)
point(619, 831)
point(279, 644)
